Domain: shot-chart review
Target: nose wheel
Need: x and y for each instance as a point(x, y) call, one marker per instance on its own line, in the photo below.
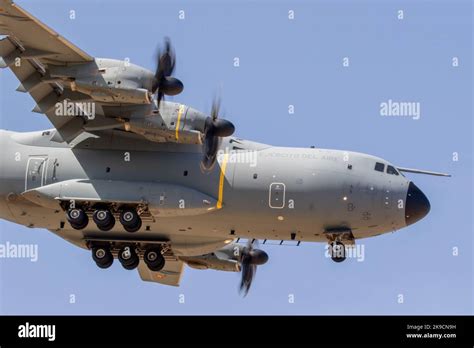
point(337, 251)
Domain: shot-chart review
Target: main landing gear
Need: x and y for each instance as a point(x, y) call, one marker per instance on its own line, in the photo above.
point(154, 259)
point(102, 257)
point(77, 218)
point(130, 220)
point(129, 257)
point(104, 218)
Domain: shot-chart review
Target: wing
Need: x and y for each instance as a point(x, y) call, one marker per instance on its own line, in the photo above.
point(28, 50)
point(36, 38)
point(79, 93)
point(46, 93)
point(169, 275)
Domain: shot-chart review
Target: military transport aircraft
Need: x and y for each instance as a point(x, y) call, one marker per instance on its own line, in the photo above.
point(158, 184)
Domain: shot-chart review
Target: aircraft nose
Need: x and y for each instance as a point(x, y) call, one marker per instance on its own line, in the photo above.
point(417, 205)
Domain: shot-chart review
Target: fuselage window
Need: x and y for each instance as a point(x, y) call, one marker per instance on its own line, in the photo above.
point(392, 170)
point(380, 167)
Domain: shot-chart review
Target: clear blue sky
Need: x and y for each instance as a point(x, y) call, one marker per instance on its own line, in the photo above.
point(285, 62)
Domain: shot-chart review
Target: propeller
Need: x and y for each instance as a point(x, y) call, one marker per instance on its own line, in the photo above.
point(249, 260)
point(214, 129)
point(163, 83)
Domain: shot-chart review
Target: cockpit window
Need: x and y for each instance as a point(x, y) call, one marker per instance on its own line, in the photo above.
point(380, 167)
point(392, 170)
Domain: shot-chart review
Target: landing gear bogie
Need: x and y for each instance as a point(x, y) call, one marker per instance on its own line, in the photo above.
point(129, 256)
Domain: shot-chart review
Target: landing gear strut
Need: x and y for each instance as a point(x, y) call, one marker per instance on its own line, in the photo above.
point(128, 257)
point(337, 251)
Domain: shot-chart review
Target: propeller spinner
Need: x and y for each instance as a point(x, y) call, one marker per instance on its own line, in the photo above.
point(163, 82)
point(215, 128)
point(250, 259)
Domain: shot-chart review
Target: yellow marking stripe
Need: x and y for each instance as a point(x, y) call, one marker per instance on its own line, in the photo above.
point(180, 112)
point(221, 181)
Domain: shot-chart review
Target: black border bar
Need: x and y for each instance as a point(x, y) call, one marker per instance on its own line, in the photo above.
point(290, 330)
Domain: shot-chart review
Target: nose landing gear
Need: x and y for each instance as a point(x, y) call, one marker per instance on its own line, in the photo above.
point(338, 238)
point(337, 251)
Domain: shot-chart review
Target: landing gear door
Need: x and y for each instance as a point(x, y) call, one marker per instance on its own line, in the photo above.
point(277, 195)
point(35, 172)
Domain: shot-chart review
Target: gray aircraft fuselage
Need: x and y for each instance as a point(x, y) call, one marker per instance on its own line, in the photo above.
point(258, 191)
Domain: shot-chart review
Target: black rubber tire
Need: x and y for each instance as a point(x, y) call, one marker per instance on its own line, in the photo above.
point(77, 218)
point(135, 228)
point(104, 219)
point(102, 256)
point(108, 227)
point(132, 257)
point(132, 265)
point(340, 253)
point(130, 220)
point(105, 265)
point(154, 259)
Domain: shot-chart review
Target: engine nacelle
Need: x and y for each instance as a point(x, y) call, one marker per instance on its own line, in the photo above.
point(113, 95)
point(225, 259)
point(173, 123)
point(109, 80)
point(211, 261)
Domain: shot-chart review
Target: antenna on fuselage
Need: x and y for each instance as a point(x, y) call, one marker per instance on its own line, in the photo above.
point(419, 171)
